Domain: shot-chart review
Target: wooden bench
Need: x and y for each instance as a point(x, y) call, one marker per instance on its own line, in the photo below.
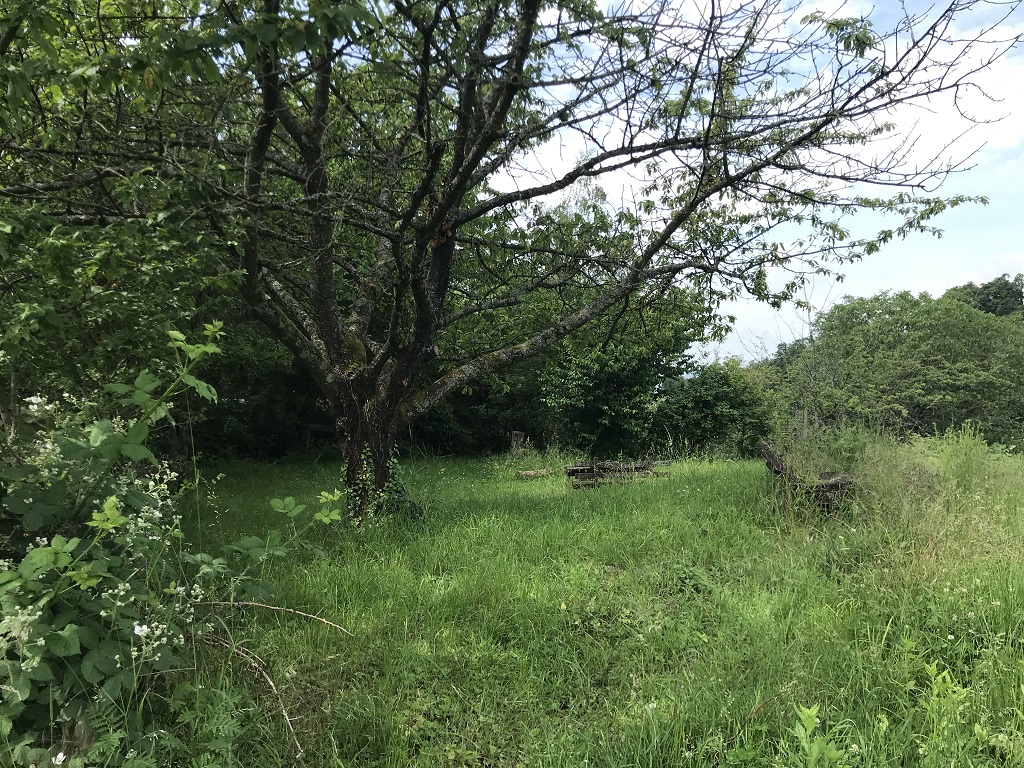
point(828, 490)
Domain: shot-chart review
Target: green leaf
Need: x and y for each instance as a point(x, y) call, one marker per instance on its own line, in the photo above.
point(111, 688)
point(85, 71)
point(65, 642)
point(111, 447)
point(287, 505)
point(266, 33)
point(18, 687)
point(89, 668)
point(41, 672)
point(138, 433)
point(72, 449)
point(100, 431)
point(109, 517)
point(160, 412)
point(138, 499)
point(13, 474)
point(205, 390)
point(141, 398)
point(86, 577)
point(138, 453)
point(87, 637)
point(9, 580)
point(37, 562)
point(327, 516)
point(146, 381)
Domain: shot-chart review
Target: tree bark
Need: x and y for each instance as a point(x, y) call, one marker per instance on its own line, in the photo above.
point(367, 429)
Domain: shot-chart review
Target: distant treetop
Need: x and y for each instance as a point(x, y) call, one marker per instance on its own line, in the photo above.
point(1003, 296)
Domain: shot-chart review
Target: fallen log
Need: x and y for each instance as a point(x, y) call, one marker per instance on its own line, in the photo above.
point(601, 472)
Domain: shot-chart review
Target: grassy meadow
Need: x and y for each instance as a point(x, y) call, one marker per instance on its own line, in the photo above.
point(697, 619)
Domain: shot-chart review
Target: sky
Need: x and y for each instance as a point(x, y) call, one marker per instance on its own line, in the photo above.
point(978, 243)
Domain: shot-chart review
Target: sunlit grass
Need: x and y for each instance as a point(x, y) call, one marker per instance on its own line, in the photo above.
point(674, 621)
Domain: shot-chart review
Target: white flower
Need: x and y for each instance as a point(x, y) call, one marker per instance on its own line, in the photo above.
point(59, 759)
point(141, 630)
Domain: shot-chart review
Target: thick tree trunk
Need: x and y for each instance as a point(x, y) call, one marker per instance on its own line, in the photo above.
point(367, 435)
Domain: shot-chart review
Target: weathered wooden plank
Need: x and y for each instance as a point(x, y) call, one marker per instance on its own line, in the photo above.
point(828, 490)
point(602, 472)
point(530, 474)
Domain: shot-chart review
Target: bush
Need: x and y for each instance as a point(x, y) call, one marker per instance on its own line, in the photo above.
point(717, 409)
point(103, 603)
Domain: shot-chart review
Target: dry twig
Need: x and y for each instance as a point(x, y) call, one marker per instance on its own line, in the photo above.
point(251, 604)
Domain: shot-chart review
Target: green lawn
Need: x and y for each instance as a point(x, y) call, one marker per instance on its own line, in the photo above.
point(677, 621)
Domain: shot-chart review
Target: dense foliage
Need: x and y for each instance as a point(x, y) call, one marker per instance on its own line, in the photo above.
point(104, 605)
point(82, 308)
point(721, 407)
point(909, 364)
point(97, 593)
point(1003, 296)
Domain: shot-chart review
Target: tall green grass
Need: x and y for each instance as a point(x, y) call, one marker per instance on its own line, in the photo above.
point(692, 620)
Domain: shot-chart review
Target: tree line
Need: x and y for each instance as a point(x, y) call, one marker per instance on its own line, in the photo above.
point(911, 364)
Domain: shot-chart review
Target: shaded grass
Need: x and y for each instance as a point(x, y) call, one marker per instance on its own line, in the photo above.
point(678, 621)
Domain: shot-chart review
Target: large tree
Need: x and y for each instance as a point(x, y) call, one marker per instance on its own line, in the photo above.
point(380, 180)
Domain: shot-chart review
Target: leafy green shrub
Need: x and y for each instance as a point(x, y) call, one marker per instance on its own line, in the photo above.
point(95, 592)
point(102, 601)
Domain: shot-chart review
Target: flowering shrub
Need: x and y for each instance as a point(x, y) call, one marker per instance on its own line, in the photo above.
point(99, 596)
